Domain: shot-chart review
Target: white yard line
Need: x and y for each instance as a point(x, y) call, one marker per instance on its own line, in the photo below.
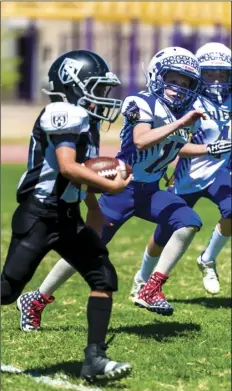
point(57, 382)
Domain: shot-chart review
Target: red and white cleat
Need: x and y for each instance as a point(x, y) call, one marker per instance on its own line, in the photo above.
point(151, 296)
point(31, 306)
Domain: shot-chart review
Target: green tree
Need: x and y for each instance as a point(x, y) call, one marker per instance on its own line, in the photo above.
point(9, 65)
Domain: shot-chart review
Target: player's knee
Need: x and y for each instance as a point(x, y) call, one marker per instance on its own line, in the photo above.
point(225, 226)
point(226, 210)
point(111, 278)
point(104, 278)
point(191, 228)
point(186, 217)
point(227, 214)
point(10, 290)
point(162, 235)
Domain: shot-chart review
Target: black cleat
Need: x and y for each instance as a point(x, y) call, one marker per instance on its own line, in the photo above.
point(97, 366)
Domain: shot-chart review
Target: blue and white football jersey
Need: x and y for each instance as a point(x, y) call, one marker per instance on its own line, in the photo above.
point(195, 174)
point(149, 165)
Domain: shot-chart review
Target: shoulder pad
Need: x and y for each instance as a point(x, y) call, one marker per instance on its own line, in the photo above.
point(136, 108)
point(62, 117)
point(226, 105)
point(197, 103)
point(202, 102)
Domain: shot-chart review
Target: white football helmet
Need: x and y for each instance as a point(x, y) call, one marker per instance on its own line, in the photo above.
point(178, 60)
point(215, 56)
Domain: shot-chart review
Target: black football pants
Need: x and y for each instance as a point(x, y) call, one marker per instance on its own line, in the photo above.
point(37, 229)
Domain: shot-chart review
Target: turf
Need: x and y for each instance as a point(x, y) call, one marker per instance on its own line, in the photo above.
point(189, 351)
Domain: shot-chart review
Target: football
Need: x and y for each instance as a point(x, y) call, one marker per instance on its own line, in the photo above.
point(106, 167)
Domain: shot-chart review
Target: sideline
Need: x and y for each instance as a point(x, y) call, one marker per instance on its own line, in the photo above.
point(57, 382)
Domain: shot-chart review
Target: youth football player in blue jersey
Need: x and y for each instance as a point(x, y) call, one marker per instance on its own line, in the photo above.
point(205, 176)
point(157, 125)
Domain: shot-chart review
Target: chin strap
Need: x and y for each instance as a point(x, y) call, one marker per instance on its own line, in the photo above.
point(63, 96)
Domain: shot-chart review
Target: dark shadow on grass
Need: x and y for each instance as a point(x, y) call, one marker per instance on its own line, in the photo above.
point(73, 370)
point(160, 330)
point(70, 368)
point(209, 302)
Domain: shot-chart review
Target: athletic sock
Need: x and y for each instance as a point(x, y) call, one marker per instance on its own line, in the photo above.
point(174, 249)
point(98, 316)
point(148, 264)
point(60, 273)
point(215, 245)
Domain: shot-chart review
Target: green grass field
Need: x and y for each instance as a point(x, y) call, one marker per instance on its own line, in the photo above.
point(189, 351)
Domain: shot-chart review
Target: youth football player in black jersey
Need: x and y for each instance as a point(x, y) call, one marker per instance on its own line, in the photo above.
point(49, 194)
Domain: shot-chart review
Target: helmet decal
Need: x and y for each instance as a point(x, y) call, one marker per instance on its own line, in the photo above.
point(215, 56)
point(191, 63)
point(68, 68)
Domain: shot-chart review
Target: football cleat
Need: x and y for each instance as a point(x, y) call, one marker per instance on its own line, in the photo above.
point(97, 366)
point(210, 276)
point(151, 296)
point(31, 306)
point(138, 284)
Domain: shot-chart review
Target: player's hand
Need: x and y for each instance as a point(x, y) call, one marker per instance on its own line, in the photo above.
point(119, 184)
point(191, 117)
point(95, 219)
point(219, 147)
point(169, 182)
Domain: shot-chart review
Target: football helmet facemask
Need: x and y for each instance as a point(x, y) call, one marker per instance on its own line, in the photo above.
point(83, 78)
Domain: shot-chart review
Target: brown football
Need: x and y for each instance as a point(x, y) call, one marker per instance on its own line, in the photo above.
point(106, 167)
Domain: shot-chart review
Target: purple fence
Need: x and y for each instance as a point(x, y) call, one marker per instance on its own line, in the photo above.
point(122, 47)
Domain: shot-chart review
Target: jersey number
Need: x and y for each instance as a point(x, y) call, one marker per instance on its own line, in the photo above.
point(170, 152)
point(225, 133)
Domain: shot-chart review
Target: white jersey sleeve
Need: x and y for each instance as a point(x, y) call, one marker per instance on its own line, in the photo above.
point(64, 118)
point(136, 110)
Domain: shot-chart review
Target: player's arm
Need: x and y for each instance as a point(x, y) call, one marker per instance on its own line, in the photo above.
point(63, 124)
point(91, 201)
point(215, 149)
point(77, 173)
point(192, 150)
point(144, 136)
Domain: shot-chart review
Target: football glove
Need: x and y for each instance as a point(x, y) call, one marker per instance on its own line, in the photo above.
point(219, 147)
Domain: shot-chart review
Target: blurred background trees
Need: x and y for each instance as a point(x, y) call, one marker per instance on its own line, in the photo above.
point(9, 64)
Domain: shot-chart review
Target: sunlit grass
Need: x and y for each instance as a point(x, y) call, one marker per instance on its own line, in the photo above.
point(189, 351)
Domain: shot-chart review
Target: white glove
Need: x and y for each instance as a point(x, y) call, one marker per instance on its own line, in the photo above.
point(219, 147)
